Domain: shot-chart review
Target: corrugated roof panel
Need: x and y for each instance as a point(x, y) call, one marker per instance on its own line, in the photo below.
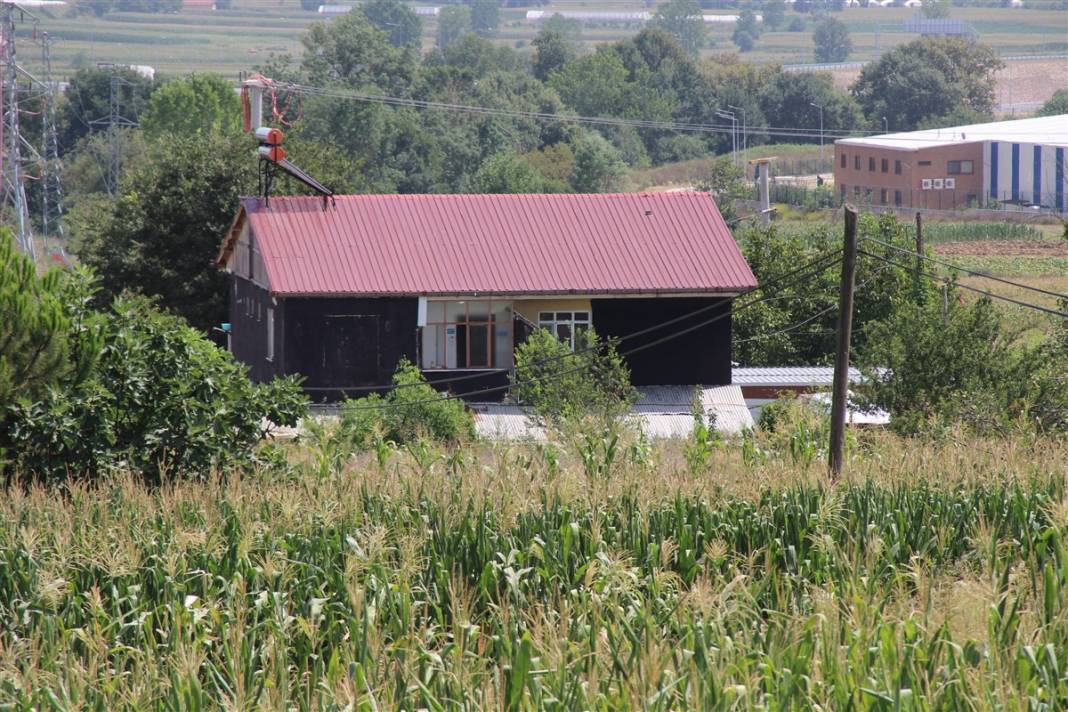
point(789, 376)
point(644, 243)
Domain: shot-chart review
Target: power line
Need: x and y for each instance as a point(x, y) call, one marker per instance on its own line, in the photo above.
point(509, 386)
point(993, 295)
point(974, 273)
point(822, 261)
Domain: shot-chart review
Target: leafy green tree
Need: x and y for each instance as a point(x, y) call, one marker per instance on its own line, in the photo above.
point(197, 104)
point(597, 167)
point(726, 184)
point(682, 20)
point(353, 51)
point(746, 30)
point(832, 41)
point(936, 9)
point(506, 173)
point(42, 340)
point(160, 398)
point(744, 40)
point(774, 12)
point(552, 50)
point(557, 385)
point(400, 23)
point(87, 104)
point(453, 23)
point(485, 16)
point(926, 79)
point(554, 164)
point(1055, 105)
point(787, 100)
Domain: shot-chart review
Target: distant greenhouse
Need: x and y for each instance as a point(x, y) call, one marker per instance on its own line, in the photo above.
point(594, 16)
point(944, 26)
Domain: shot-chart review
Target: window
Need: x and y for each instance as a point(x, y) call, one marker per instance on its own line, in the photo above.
point(856, 191)
point(897, 198)
point(960, 168)
point(565, 326)
point(856, 163)
point(882, 196)
point(467, 333)
point(842, 191)
point(270, 334)
point(885, 165)
point(844, 161)
point(871, 163)
point(897, 167)
point(925, 163)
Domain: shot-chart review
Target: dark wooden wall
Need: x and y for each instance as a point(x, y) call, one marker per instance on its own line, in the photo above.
point(701, 357)
point(345, 346)
point(248, 329)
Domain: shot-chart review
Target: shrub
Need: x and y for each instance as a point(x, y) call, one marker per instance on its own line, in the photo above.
point(411, 410)
point(160, 398)
point(558, 385)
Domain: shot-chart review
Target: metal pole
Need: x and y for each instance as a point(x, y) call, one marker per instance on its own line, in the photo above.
point(745, 155)
point(840, 396)
point(821, 131)
point(734, 135)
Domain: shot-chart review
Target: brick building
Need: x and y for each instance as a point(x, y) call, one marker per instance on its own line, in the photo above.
point(1017, 162)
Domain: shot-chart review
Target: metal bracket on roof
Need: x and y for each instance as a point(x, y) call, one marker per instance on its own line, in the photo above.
point(273, 158)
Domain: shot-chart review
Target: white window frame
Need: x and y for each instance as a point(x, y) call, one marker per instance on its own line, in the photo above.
point(551, 320)
point(270, 334)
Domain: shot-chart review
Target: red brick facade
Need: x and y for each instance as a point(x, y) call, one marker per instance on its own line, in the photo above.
point(910, 178)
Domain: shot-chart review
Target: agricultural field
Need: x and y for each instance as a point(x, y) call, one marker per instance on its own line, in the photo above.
point(234, 40)
point(601, 572)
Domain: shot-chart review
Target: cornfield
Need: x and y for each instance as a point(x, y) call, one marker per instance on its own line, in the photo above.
point(938, 232)
point(607, 574)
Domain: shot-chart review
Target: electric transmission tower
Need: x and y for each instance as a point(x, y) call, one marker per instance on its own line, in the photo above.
point(51, 187)
point(14, 186)
point(116, 122)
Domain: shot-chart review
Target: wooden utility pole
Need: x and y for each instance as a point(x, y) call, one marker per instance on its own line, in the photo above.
point(919, 244)
point(840, 397)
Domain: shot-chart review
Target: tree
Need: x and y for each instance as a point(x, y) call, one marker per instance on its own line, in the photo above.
point(453, 23)
point(832, 41)
point(352, 50)
point(42, 342)
point(159, 398)
point(506, 173)
point(682, 20)
point(557, 385)
point(927, 79)
point(936, 9)
point(552, 50)
point(1055, 105)
point(774, 12)
point(87, 104)
point(197, 104)
point(597, 167)
point(746, 30)
point(485, 16)
point(787, 100)
point(726, 184)
point(400, 23)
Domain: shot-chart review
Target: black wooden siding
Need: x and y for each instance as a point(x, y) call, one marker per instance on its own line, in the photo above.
point(701, 357)
point(349, 346)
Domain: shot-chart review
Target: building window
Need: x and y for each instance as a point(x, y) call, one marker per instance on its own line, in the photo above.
point(871, 163)
point(882, 196)
point(960, 168)
point(844, 159)
point(270, 334)
point(842, 191)
point(897, 198)
point(885, 165)
point(566, 326)
point(856, 191)
point(467, 333)
point(897, 167)
point(856, 163)
point(925, 163)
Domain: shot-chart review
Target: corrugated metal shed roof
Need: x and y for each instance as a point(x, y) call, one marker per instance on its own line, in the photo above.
point(1044, 130)
point(660, 412)
point(623, 243)
point(791, 376)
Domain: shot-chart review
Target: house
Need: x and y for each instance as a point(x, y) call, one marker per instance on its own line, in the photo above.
point(339, 293)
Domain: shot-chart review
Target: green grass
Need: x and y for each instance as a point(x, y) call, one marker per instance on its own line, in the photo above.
point(938, 232)
point(1014, 266)
point(516, 578)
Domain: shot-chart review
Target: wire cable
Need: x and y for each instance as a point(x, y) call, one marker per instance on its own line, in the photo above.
point(824, 261)
point(992, 295)
point(974, 273)
point(509, 386)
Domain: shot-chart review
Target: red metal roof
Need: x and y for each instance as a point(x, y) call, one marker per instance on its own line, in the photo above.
point(625, 243)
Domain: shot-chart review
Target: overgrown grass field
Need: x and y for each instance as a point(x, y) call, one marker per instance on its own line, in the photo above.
point(603, 574)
